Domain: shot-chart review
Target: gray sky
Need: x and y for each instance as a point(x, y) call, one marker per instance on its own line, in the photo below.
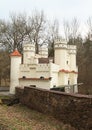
point(60, 9)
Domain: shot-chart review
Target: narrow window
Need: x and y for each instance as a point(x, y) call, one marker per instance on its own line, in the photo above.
point(68, 82)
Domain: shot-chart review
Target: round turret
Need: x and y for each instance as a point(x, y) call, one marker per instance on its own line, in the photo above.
point(72, 53)
point(28, 52)
point(60, 43)
point(60, 47)
point(14, 72)
point(72, 49)
point(43, 51)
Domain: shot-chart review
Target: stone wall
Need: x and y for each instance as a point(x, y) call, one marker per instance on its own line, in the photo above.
point(75, 110)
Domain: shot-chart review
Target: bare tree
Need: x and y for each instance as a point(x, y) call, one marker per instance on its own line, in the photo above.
point(53, 32)
point(4, 66)
point(36, 27)
point(13, 32)
point(67, 29)
point(74, 28)
point(71, 29)
point(37, 24)
point(89, 24)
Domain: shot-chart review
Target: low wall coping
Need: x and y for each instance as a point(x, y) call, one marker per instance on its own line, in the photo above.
point(59, 93)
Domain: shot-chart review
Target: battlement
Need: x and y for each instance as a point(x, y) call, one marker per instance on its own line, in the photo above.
point(43, 48)
point(71, 47)
point(43, 51)
point(24, 68)
point(63, 46)
point(29, 45)
point(43, 67)
point(60, 41)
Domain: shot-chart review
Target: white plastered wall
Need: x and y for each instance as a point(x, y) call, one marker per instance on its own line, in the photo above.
point(29, 71)
point(63, 78)
point(54, 69)
point(14, 73)
point(73, 81)
point(60, 58)
point(39, 83)
point(72, 54)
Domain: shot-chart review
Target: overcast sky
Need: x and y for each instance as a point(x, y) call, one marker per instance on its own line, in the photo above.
point(60, 9)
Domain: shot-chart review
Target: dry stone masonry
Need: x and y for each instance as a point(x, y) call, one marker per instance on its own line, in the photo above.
point(73, 109)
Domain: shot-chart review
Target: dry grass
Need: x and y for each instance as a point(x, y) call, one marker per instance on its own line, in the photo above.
point(19, 117)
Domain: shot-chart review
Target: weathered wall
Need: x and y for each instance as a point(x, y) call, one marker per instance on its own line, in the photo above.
point(75, 110)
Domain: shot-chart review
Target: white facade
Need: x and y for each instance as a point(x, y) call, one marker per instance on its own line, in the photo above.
point(35, 70)
point(14, 76)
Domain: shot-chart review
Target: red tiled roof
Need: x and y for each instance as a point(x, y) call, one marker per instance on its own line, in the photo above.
point(15, 53)
point(67, 71)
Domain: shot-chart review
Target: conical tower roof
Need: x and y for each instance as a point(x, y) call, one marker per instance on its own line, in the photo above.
point(15, 53)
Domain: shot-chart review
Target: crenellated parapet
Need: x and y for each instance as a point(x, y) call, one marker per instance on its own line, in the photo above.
point(72, 49)
point(43, 67)
point(24, 68)
point(60, 43)
point(43, 51)
point(60, 40)
point(29, 47)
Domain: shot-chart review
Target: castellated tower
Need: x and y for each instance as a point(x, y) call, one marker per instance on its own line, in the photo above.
point(28, 50)
point(43, 51)
point(60, 47)
point(14, 75)
point(65, 57)
point(72, 54)
point(73, 67)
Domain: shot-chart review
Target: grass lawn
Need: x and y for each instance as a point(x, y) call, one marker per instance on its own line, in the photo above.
point(19, 117)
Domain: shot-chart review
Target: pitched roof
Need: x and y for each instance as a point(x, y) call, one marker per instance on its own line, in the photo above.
point(15, 53)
